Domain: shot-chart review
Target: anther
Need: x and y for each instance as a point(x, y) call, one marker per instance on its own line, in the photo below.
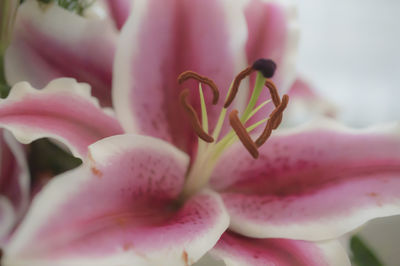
point(242, 133)
point(194, 119)
point(273, 119)
point(235, 86)
point(193, 75)
point(273, 91)
point(267, 68)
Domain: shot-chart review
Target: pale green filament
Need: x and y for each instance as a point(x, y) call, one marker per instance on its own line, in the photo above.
point(260, 80)
point(221, 118)
point(257, 109)
point(204, 117)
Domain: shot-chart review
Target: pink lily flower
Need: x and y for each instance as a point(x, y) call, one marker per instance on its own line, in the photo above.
point(161, 199)
point(42, 50)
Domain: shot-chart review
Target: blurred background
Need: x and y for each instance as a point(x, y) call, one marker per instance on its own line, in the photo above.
point(350, 51)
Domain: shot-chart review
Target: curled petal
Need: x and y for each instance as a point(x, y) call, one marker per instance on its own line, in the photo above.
point(51, 43)
point(312, 183)
point(7, 219)
point(118, 208)
point(236, 250)
point(63, 110)
point(162, 39)
point(14, 183)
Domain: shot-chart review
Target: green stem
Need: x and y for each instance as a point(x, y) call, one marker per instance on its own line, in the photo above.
point(4, 88)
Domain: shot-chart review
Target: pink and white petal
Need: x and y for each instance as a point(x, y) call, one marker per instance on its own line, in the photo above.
point(51, 43)
point(237, 250)
point(117, 208)
point(312, 183)
point(273, 33)
point(7, 218)
point(306, 105)
point(119, 10)
point(14, 183)
point(160, 40)
point(63, 110)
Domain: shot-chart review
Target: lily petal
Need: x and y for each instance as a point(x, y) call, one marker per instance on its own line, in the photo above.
point(14, 183)
point(7, 219)
point(51, 43)
point(306, 105)
point(118, 208)
point(160, 40)
point(312, 183)
point(236, 250)
point(119, 11)
point(63, 110)
point(273, 33)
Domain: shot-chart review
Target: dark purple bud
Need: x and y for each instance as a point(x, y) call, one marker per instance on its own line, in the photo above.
point(267, 67)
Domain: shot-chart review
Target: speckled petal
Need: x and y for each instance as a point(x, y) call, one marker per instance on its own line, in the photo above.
point(236, 250)
point(312, 183)
point(119, 208)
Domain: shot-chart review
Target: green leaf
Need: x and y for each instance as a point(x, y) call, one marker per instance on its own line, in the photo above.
point(4, 88)
point(362, 255)
point(47, 160)
point(77, 6)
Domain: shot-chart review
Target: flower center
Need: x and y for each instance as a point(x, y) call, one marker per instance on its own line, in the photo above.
point(211, 146)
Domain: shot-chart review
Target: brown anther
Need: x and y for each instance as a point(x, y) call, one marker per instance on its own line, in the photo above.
point(242, 133)
point(193, 75)
point(273, 91)
point(274, 120)
point(194, 119)
point(236, 83)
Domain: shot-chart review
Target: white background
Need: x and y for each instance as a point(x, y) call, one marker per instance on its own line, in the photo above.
point(350, 50)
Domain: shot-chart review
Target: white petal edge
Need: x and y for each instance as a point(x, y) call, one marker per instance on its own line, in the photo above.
point(67, 85)
point(332, 250)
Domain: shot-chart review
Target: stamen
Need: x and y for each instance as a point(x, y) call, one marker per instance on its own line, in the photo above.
point(242, 133)
point(194, 119)
point(193, 75)
point(273, 121)
point(273, 91)
point(236, 83)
